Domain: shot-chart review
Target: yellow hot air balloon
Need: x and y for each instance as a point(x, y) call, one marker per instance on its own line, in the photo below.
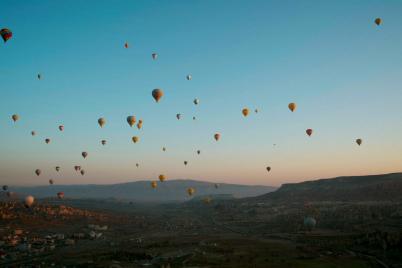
point(131, 120)
point(378, 21)
point(359, 142)
point(217, 136)
point(15, 117)
point(157, 94)
point(135, 139)
point(245, 111)
point(162, 178)
point(207, 200)
point(101, 121)
point(154, 184)
point(292, 106)
point(190, 191)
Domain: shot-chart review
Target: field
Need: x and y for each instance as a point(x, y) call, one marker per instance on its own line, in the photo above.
point(195, 234)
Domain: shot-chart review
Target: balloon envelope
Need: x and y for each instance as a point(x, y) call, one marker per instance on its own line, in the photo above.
point(6, 34)
point(15, 117)
point(101, 121)
point(29, 200)
point(157, 94)
point(292, 106)
point(131, 120)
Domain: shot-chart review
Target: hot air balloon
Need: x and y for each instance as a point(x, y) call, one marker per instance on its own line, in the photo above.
point(84, 154)
point(82, 172)
point(268, 169)
point(207, 200)
point(61, 127)
point(29, 200)
point(245, 111)
point(309, 132)
point(77, 168)
point(359, 141)
point(378, 21)
point(157, 94)
point(6, 34)
point(33, 133)
point(196, 101)
point(38, 172)
point(15, 117)
point(51, 182)
point(101, 121)
point(154, 184)
point(5, 187)
point(256, 111)
point(189, 77)
point(154, 56)
point(139, 125)
point(137, 165)
point(135, 139)
point(162, 178)
point(47, 141)
point(126, 45)
point(103, 142)
point(185, 163)
point(178, 116)
point(190, 191)
point(60, 195)
point(194, 118)
point(309, 223)
point(198, 151)
point(292, 106)
point(164, 149)
point(57, 168)
point(131, 120)
point(217, 136)
point(39, 76)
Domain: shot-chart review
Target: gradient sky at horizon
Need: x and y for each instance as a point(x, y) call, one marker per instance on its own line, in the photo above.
point(329, 57)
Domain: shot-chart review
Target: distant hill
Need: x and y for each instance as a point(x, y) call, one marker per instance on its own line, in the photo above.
point(141, 191)
point(386, 187)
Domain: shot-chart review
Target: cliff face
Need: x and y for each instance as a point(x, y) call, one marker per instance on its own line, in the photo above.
point(387, 187)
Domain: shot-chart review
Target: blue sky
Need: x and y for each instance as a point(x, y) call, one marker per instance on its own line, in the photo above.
point(330, 58)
